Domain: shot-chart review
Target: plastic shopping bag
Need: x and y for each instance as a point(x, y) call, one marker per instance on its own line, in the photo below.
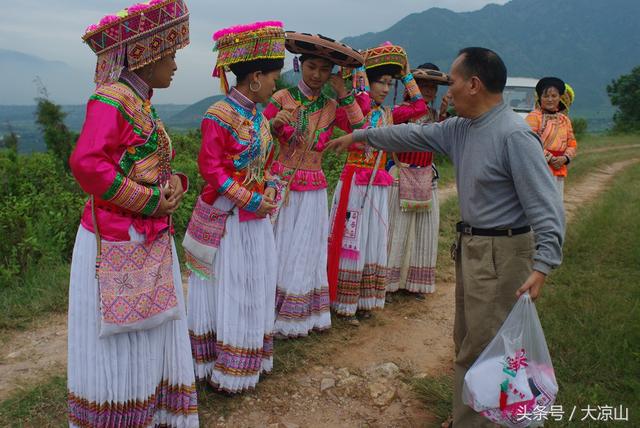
point(512, 382)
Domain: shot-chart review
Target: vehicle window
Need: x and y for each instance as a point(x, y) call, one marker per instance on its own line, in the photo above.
point(520, 99)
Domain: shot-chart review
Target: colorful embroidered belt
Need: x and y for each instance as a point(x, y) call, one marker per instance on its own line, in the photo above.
point(303, 180)
point(309, 161)
point(360, 160)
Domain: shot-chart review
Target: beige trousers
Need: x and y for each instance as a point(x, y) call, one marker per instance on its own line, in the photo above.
point(489, 271)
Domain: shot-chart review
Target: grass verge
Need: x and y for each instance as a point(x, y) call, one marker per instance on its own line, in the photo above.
point(43, 290)
point(42, 406)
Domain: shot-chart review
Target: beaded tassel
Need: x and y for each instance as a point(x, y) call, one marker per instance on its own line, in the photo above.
point(255, 170)
point(296, 64)
point(302, 124)
point(164, 150)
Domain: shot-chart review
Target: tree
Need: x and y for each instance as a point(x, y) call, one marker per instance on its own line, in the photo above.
point(57, 136)
point(625, 95)
point(10, 141)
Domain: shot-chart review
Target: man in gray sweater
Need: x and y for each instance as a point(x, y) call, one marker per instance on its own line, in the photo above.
point(505, 190)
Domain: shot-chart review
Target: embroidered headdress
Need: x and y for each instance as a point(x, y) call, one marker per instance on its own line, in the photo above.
point(244, 43)
point(386, 54)
point(137, 36)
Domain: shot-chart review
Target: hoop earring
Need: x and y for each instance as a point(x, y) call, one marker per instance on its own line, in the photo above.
point(252, 88)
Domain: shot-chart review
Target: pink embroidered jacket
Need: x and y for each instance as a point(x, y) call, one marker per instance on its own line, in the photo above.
point(315, 116)
point(236, 153)
point(117, 160)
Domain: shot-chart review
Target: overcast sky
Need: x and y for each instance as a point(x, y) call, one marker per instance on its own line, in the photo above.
point(52, 29)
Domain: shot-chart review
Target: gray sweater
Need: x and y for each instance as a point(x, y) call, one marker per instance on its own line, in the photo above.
point(502, 177)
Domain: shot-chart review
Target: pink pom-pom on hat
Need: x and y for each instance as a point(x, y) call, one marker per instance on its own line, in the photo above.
point(90, 28)
point(108, 20)
point(138, 7)
point(245, 28)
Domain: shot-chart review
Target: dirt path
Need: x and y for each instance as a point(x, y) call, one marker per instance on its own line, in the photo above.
point(360, 375)
point(590, 188)
point(33, 355)
point(610, 148)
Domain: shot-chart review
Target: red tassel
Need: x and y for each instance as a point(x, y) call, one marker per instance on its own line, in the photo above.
point(337, 233)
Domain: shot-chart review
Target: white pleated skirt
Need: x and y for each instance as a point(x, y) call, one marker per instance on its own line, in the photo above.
point(413, 245)
point(361, 282)
point(301, 234)
point(138, 379)
point(231, 316)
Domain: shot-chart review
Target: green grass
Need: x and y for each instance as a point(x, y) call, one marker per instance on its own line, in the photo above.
point(43, 290)
point(590, 308)
point(594, 141)
point(437, 395)
point(42, 406)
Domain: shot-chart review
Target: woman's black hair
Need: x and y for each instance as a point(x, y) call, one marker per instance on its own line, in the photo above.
point(375, 73)
point(244, 69)
point(550, 82)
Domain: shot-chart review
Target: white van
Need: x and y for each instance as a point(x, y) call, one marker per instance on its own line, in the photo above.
point(520, 94)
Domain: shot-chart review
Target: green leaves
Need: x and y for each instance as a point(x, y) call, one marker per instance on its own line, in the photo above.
point(625, 94)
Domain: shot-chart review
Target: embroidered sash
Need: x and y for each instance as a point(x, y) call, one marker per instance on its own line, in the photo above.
point(202, 240)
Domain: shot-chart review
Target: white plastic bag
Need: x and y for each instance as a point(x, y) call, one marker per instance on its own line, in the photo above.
point(512, 382)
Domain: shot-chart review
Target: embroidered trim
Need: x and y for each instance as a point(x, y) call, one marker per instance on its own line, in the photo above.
point(296, 307)
point(368, 283)
point(132, 196)
point(232, 360)
point(240, 195)
point(180, 400)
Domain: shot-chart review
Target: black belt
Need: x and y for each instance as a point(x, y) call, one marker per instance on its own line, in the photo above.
point(465, 229)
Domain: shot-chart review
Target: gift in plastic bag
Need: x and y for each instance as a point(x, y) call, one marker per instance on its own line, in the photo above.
point(512, 382)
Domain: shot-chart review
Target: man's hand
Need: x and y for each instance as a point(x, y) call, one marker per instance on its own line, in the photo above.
point(444, 106)
point(342, 144)
point(337, 84)
point(282, 118)
point(533, 285)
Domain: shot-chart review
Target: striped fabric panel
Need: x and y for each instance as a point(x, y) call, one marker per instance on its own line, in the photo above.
point(178, 400)
point(354, 285)
point(412, 88)
point(354, 113)
point(297, 307)
point(132, 196)
point(240, 196)
point(233, 360)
